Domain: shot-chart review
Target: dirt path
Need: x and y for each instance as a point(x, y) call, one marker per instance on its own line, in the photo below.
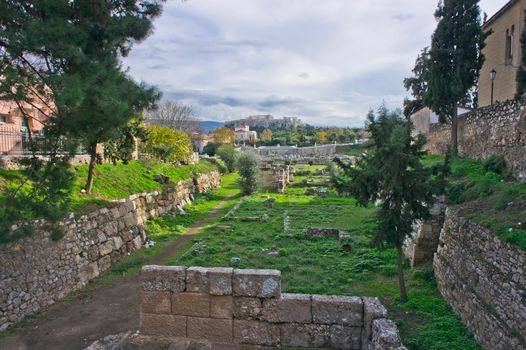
point(101, 309)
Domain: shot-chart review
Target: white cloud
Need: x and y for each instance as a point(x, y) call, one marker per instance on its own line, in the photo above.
point(325, 61)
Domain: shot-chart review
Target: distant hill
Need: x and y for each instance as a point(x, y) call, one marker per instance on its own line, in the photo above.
point(210, 125)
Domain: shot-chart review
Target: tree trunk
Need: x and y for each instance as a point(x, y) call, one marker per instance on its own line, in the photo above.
point(454, 130)
point(93, 160)
point(401, 281)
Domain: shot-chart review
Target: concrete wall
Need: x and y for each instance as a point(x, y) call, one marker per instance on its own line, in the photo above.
point(233, 308)
point(37, 271)
point(498, 129)
point(505, 85)
point(484, 280)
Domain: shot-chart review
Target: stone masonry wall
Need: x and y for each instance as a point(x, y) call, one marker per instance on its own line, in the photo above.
point(233, 308)
point(36, 271)
point(484, 280)
point(498, 129)
point(422, 245)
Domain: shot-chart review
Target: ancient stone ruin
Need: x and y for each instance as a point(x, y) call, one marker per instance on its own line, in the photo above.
point(325, 233)
point(214, 308)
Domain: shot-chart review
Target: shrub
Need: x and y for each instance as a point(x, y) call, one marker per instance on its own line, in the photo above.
point(228, 155)
point(248, 168)
point(168, 144)
point(210, 149)
point(495, 164)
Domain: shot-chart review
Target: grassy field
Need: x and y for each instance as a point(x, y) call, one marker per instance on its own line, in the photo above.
point(321, 266)
point(112, 181)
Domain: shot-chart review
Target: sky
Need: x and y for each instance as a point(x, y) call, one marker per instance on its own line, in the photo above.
point(325, 61)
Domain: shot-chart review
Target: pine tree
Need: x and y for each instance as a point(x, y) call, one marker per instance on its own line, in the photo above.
point(521, 72)
point(452, 64)
point(391, 172)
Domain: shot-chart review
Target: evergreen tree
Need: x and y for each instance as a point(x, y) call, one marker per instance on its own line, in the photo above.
point(450, 69)
point(391, 172)
point(248, 169)
point(521, 72)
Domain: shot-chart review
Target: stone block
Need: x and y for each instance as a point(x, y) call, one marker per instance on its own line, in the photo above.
point(288, 308)
point(104, 263)
point(117, 242)
point(163, 278)
point(155, 302)
point(221, 306)
point(214, 330)
point(246, 308)
point(163, 325)
point(257, 283)
point(93, 253)
point(197, 280)
point(347, 338)
point(191, 304)
point(304, 335)
point(385, 335)
point(92, 270)
point(106, 247)
point(220, 280)
point(256, 333)
point(372, 310)
point(342, 310)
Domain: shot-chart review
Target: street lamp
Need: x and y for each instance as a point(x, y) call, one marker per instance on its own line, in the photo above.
point(492, 75)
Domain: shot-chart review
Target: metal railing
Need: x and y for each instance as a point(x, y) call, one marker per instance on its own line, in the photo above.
point(19, 143)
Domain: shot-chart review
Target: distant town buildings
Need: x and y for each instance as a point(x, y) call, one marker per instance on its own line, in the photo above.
point(244, 135)
point(502, 53)
point(201, 141)
point(260, 122)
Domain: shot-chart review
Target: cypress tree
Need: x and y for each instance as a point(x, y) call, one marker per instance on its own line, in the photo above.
point(521, 72)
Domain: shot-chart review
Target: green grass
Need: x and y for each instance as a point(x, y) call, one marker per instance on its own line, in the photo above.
point(114, 181)
point(319, 266)
point(167, 228)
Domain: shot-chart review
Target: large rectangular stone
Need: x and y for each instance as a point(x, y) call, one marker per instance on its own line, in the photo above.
point(372, 310)
point(197, 280)
point(247, 308)
point(257, 283)
point(385, 335)
point(346, 338)
point(256, 333)
point(288, 308)
point(214, 330)
point(342, 310)
point(221, 306)
point(155, 302)
point(163, 278)
point(220, 280)
point(191, 304)
point(163, 325)
point(304, 335)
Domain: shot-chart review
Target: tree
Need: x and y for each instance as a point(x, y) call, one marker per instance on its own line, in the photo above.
point(124, 145)
point(228, 155)
point(391, 172)
point(521, 72)
point(266, 136)
point(248, 169)
point(66, 55)
point(175, 115)
point(210, 149)
point(416, 84)
point(168, 145)
point(321, 136)
point(449, 70)
point(224, 136)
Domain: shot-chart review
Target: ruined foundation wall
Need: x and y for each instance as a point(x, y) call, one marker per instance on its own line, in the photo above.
point(36, 271)
point(232, 308)
point(484, 280)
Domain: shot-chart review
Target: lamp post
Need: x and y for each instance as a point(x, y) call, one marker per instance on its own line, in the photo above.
point(492, 75)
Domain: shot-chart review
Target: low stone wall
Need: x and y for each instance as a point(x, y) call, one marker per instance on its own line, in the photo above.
point(36, 271)
point(484, 280)
point(498, 129)
point(234, 308)
point(422, 244)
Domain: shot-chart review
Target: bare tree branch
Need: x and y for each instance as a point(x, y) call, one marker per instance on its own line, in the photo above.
point(175, 115)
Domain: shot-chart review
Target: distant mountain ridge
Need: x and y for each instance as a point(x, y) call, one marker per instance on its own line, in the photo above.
point(209, 125)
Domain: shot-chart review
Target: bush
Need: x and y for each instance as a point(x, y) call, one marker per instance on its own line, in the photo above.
point(248, 168)
point(495, 164)
point(210, 149)
point(168, 144)
point(228, 155)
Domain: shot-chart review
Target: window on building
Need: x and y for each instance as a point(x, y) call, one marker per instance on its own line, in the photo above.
point(510, 37)
point(3, 119)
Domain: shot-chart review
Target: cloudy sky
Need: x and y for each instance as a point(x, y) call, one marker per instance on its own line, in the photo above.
point(326, 61)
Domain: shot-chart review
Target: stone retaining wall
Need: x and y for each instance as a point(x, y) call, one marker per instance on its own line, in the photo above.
point(498, 129)
point(36, 271)
point(233, 308)
point(484, 280)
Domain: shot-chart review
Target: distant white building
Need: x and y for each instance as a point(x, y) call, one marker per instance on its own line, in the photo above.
point(424, 117)
point(201, 141)
point(243, 134)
